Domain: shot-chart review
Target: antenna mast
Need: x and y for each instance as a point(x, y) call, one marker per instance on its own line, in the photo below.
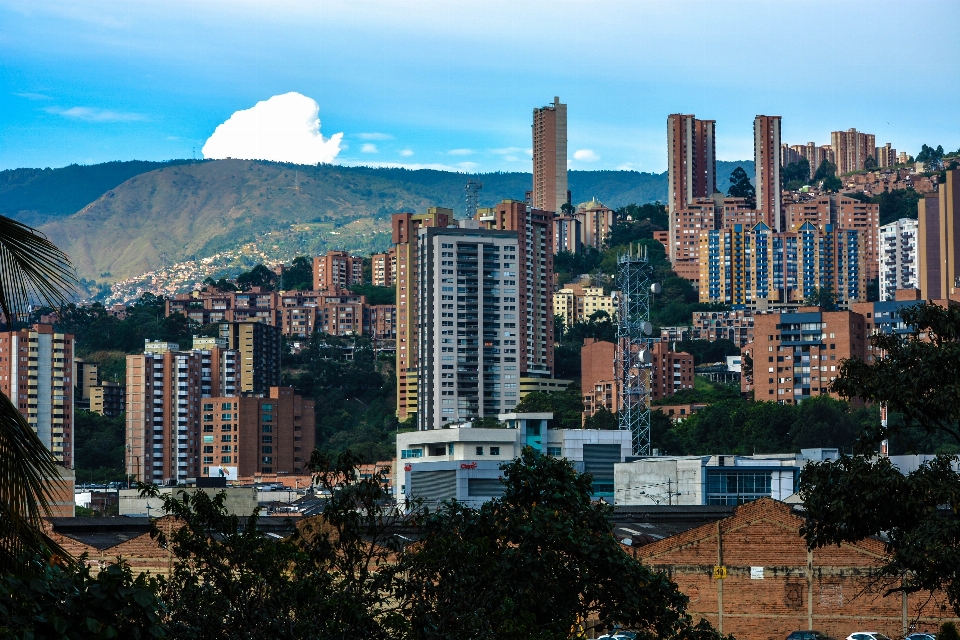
point(472, 190)
point(633, 354)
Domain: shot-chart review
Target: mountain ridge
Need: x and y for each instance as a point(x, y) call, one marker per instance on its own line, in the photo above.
point(183, 210)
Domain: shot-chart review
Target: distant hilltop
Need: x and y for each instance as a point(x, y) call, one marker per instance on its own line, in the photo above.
point(119, 220)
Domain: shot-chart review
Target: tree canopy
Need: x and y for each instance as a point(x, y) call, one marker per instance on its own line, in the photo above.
point(741, 187)
point(918, 378)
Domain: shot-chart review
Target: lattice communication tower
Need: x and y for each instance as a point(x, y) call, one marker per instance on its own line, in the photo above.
point(633, 355)
point(473, 197)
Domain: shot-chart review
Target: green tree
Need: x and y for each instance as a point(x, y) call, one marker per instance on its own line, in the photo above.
point(602, 419)
point(259, 276)
point(857, 497)
point(375, 294)
point(705, 351)
point(741, 187)
point(532, 564)
point(826, 170)
point(931, 158)
point(65, 602)
point(831, 183)
point(100, 446)
point(796, 172)
point(823, 298)
point(299, 275)
point(870, 163)
point(566, 406)
point(31, 268)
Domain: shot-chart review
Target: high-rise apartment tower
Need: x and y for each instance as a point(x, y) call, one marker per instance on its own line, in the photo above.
point(766, 160)
point(258, 347)
point(550, 156)
point(36, 365)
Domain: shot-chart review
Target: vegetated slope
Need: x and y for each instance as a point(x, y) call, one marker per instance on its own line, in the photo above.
point(183, 212)
point(35, 196)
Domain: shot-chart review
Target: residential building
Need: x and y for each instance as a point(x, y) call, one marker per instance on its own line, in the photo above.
point(843, 213)
point(405, 228)
point(686, 226)
point(597, 223)
point(576, 303)
point(691, 160)
point(735, 326)
point(463, 462)
point(550, 157)
point(211, 306)
point(36, 366)
point(886, 156)
point(754, 267)
point(568, 234)
point(382, 321)
point(535, 277)
point(255, 435)
point(108, 399)
point(258, 348)
point(813, 154)
point(736, 211)
point(713, 480)
point(670, 372)
point(383, 267)
point(797, 355)
point(851, 149)
point(939, 239)
point(598, 378)
point(86, 375)
point(470, 355)
point(766, 159)
point(899, 263)
point(336, 270)
point(165, 388)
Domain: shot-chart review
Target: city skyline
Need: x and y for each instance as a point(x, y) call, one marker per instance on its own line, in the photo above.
point(122, 82)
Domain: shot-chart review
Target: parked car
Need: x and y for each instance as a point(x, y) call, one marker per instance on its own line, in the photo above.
point(619, 635)
point(867, 635)
point(808, 635)
point(921, 636)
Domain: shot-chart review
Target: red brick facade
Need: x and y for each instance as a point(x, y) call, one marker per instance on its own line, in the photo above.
point(828, 589)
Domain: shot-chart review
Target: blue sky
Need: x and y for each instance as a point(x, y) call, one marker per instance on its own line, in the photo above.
point(452, 84)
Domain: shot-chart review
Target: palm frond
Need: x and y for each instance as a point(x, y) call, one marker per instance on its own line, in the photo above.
point(31, 269)
point(27, 472)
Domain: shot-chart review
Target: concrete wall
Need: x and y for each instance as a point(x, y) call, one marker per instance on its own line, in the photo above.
point(241, 501)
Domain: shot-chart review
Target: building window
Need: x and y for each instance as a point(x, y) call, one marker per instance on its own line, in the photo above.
point(225, 459)
point(267, 460)
point(494, 451)
point(411, 453)
point(268, 428)
point(266, 439)
point(554, 451)
point(479, 451)
point(268, 408)
point(267, 449)
point(267, 418)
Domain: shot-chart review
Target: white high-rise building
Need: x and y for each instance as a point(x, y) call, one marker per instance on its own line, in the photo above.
point(899, 264)
point(467, 361)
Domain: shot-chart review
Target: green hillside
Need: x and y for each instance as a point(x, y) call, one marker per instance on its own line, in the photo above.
point(185, 211)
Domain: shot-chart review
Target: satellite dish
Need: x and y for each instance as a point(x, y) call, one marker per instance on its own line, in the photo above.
point(655, 288)
point(645, 357)
point(646, 327)
point(628, 542)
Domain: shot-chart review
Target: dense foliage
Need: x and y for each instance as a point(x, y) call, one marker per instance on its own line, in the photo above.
point(918, 377)
point(741, 187)
point(355, 398)
point(96, 330)
point(52, 600)
point(566, 406)
point(707, 351)
point(745, 427)
point(375, 294)
point(100, 451)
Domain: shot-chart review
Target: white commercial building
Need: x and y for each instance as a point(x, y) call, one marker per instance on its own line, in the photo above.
point(463, 463)
point(899, 263)
point(702, 480)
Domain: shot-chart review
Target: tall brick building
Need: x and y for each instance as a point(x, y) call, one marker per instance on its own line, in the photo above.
point(550, 157)
point(336, 270)
point(797, 355)
point(766, 159)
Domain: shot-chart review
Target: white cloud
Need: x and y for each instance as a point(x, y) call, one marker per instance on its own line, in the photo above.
point(507, 151)
point(406, 153)
point(95, 115)
point(375, 136)
point(460, 152)
point(33, 96)
point(368, 148)
point(285, 128)
point(585, 155)
point(511, 158)
point(467, 166)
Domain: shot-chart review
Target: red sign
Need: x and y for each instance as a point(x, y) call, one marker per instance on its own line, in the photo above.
point(468, 465)
point(408, 467)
